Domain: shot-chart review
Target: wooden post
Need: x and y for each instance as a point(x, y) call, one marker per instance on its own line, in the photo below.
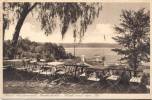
point(76, 67)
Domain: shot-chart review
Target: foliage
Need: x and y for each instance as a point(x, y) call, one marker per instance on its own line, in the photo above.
point(48, 12)
point(133, 36)
point(28, 49)
point(79, 15)
point(68, 13)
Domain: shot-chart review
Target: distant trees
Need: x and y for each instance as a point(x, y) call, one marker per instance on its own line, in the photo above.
point(26, 48)
point(134, 37)
point(7, 49)
point(47, 14)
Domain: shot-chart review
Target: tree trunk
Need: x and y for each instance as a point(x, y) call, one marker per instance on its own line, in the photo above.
point(18, 27)
point(135, 64)
point(3, 40)
point(3, 35)
point(17, 32)
point(75, 73)
point(134, 57)
point(135, 68)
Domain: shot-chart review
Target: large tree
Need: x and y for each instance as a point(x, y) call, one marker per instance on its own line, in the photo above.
point(134, 37)
point(48, 13)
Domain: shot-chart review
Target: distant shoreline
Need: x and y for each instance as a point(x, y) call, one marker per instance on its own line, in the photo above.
point(90, 45)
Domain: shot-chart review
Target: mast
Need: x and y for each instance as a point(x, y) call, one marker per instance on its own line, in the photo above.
point(74, 37)
point(74, 49)
point(103, 59)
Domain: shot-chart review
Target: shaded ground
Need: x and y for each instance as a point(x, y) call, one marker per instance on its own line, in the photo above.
point(24, 82)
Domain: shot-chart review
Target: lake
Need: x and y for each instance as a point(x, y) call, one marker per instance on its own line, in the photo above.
point(111, 56)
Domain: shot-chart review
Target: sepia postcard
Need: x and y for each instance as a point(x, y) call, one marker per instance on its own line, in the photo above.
point(92, 49)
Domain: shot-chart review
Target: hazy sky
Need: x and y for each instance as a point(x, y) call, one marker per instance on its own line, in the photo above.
point(109, 17)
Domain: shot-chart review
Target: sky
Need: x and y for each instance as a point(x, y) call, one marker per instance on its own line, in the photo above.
point(102, 26)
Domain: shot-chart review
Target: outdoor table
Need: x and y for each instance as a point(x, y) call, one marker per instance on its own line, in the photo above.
point(83, 75)
point(13, 61)
point(42, 60)
point(49, 73)
point(36, 71)
point(135, 80)
point(113, 77)
point(55, 63)
point(148, 87)
point(43, 73)
point(21, 68)
point(61, 72)
point(29, 69)
point(46, 73)
point(5, 67)
point(33, 61)
point(93, 79)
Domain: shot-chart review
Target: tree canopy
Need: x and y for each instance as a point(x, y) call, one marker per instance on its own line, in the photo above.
point(79, 15)
point(134, 36)
point(48, 12)
point(29, 49)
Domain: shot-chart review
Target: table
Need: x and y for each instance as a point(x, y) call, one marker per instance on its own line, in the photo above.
point(46, 73)
point(5, 67)
point(33, 61)
point(93, 79)
point(21, 68)
point(61, 72)
point(36, 71)
point(148, 87)
point(83, 75)
point(113, 77)
point(55, 63)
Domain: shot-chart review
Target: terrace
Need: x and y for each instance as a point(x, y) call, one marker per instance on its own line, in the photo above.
point(108, 77)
